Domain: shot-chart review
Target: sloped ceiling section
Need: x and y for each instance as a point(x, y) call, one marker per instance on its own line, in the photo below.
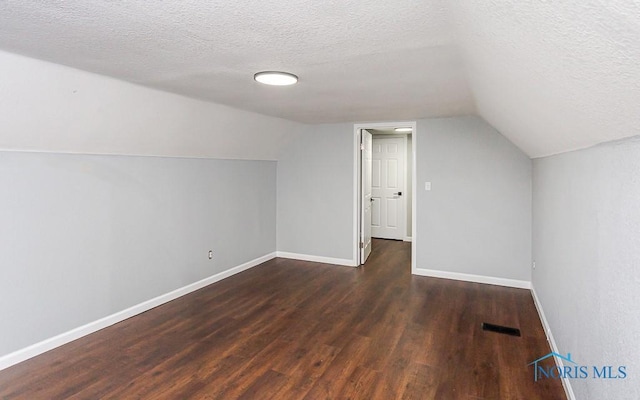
point(357, 60)
point(551, 75)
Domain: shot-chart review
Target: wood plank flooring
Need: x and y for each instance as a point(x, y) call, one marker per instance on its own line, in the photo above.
point(300, 330)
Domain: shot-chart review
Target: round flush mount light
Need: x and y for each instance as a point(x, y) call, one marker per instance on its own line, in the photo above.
point(403, 129)
point(275, 78)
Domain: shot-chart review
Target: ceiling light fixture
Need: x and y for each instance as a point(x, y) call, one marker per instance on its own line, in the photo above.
point(275, 78)
point(404, 129)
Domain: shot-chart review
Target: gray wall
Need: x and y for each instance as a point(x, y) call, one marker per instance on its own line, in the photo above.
point(86, 236)
point(477, 217)
point(586, 237)
point(315, 192)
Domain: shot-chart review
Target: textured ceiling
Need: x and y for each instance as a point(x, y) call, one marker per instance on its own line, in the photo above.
point(550, 75)
point(357, 60)
point(553, 75)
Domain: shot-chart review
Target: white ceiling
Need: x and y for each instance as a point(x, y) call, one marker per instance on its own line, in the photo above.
point(550, 75)
point(553, 75)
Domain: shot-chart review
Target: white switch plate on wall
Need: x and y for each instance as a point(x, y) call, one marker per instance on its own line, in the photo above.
point(427, 186)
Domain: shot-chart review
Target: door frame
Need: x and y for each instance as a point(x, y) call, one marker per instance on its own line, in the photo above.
point(357, 171)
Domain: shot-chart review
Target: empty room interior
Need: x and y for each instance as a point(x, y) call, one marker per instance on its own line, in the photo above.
point(420, 199)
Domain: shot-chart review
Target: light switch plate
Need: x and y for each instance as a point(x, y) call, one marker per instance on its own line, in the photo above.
point(427, 186)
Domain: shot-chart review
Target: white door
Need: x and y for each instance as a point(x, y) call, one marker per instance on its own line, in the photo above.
point(388, 191)
point(365, 196)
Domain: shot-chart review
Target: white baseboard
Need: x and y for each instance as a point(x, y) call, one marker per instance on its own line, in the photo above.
point(407, 239)
point(319, 259)
point(66, 337)
point(473, 278)
point(552, 343)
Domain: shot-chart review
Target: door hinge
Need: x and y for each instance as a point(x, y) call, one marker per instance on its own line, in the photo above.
point(361, 146)
point(362, 245)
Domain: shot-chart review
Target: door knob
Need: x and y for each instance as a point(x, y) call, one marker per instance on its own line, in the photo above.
point(398, 194)
point(372, 199)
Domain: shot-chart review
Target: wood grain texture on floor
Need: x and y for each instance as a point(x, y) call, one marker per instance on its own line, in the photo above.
point(300, 330)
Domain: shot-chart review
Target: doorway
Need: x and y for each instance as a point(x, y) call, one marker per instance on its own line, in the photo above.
point(389, 199)
point(383, 181)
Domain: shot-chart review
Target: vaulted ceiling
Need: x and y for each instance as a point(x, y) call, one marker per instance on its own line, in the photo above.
point(550, 75)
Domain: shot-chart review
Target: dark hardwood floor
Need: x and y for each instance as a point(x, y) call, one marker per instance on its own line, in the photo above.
point(292, 330)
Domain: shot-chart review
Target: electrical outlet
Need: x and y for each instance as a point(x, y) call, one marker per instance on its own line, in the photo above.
point(534, 265)
point(210, 254)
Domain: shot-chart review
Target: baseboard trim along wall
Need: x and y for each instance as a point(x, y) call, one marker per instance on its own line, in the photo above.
point(318, 259)
point(66, 337)
point(473, 278)
point(407, 239)
point(552, 343)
